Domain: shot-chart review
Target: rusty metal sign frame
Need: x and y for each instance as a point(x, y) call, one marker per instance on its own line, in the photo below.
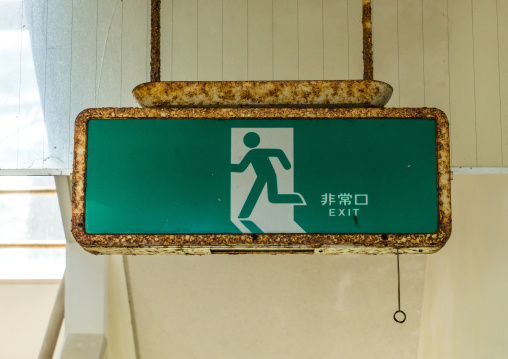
point(261, 243)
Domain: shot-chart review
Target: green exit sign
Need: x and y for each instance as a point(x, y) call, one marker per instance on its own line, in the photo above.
point(261, 179)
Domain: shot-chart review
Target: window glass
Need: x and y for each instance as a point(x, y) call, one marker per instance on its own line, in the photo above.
point(32, 263)
point(32, 238)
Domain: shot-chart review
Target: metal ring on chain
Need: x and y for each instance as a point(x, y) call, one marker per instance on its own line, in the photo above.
point(399, 320)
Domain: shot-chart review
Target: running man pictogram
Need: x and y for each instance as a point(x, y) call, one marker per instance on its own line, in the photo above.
point(266, 176)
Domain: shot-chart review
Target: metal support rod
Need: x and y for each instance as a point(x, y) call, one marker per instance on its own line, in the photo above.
point(368, 62)
point(155, 42)
point(54, 324)
point(398, 277)
point(131, 306)
point(402, 317)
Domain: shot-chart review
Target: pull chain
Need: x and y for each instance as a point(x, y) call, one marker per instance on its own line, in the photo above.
point(403, 315)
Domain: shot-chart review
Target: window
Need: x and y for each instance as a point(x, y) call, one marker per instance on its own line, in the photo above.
point(32, 240)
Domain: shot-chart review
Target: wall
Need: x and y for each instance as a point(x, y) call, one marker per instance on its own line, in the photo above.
point(25, 307)
point(306, 306)
point(464, 312)
point(284, 306)
point(447, 54)
point(120, 330)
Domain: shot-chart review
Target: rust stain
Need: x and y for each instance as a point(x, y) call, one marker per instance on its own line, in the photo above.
point(205, 243)
point(347, 93)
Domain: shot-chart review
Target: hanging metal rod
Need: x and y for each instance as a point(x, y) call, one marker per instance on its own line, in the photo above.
point(368, 62)
point(155, 52)
point(155, 42)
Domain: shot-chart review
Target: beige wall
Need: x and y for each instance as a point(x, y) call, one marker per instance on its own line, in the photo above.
point(465, 312)
point(25, 307)
point(284, 306)
point(338, 306)
point(120, 331)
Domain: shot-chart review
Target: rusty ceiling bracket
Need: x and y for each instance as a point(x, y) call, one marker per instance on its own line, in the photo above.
point(302, 93)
